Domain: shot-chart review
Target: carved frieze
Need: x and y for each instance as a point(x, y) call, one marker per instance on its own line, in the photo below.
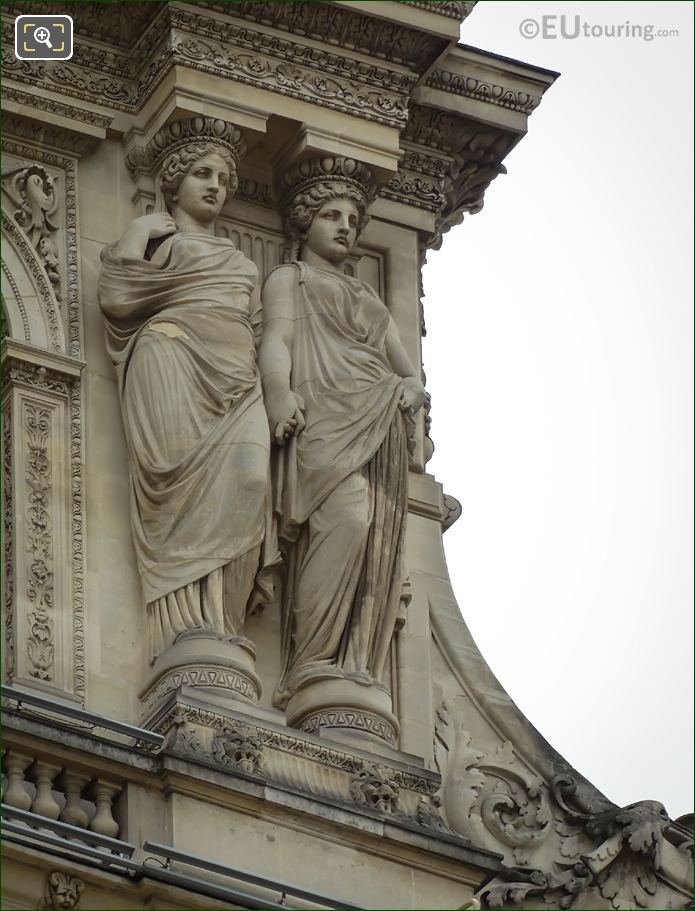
point(343, 28)
point(289, 78)
point(303, 764)
point(186, 38)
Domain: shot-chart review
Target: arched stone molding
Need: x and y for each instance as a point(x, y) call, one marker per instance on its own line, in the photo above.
point(40, 279)
point(30, 308)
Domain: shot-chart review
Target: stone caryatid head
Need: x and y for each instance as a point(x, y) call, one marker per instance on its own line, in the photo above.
point(304, 189)
point(173, 151)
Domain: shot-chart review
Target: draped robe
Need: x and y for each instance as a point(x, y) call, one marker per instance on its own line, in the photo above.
point(341, 486)
point(181, 330)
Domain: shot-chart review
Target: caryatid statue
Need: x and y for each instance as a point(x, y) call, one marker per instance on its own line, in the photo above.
point(341, 394)
point(183, 314)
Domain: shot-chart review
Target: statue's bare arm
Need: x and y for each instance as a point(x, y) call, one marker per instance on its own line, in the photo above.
point(414, 395)
point(284, 408)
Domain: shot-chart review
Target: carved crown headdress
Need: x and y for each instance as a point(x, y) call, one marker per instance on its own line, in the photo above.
point(181, 133)
point(307, 174)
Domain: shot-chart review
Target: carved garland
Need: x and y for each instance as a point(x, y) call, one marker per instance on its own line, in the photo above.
point(39, 588)
point(77, 539)
point(8, 547)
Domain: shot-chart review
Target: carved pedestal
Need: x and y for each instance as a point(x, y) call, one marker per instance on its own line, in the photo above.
point(222, 672)
point(342, 706)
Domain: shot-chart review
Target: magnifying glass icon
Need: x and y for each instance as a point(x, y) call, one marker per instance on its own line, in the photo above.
point(43, 36)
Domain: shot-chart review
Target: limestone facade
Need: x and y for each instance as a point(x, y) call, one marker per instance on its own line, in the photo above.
point(440, 795)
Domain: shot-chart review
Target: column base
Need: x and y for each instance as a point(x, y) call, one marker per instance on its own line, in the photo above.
point(344, 705)
point(221, 671)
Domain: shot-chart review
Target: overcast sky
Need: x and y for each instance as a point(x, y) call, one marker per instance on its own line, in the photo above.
point(559, 356)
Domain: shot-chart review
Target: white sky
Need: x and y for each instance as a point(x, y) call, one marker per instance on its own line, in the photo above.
point(559, 356)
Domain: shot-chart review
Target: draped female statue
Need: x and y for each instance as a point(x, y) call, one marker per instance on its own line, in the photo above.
point(340, 394)
point(182, 314)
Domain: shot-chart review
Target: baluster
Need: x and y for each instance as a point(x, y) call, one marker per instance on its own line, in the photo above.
point(103, 792)
point(15, 766)
point(42, 774)
point(72, 783)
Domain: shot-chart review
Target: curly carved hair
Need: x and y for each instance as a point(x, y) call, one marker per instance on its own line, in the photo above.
point(305, 205)
point(179, 162)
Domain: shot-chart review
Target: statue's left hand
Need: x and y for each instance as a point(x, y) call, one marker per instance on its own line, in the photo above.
point(413, 395)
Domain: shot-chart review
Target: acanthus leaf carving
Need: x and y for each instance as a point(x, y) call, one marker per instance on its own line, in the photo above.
point(489, 798)
point(33, 192)
point(598, 851)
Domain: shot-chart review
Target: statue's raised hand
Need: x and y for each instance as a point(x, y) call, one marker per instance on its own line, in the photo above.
point(159, 224)
point(141, 230)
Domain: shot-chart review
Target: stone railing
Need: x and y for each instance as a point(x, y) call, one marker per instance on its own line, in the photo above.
point(57, 791)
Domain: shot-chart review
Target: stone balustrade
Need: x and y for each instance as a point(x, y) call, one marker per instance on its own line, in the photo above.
point(51, 788)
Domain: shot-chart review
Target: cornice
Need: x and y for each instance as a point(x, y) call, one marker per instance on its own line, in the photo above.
point(119, 24)
point(341, 27)
point(209, 44)
point(452, 9)
point(285, 49)
point(460, 156)
point(53, 106)
point(489, 92)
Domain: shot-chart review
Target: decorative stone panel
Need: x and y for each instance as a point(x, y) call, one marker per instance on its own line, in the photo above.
point(43, 613)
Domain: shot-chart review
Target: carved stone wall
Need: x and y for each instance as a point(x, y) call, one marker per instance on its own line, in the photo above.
point(461, 790)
